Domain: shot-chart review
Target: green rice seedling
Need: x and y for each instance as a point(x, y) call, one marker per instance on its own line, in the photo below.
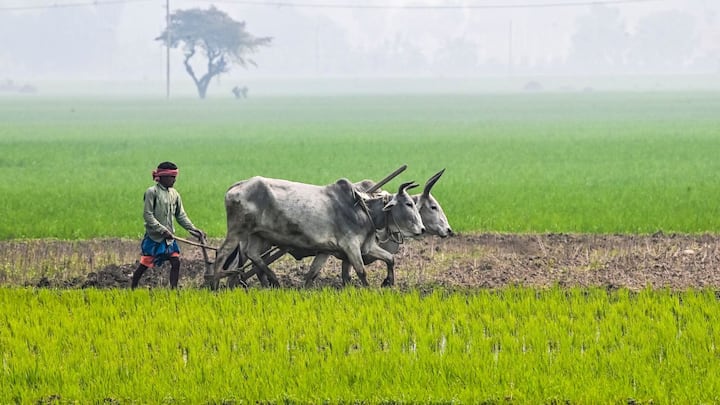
point(515, 344)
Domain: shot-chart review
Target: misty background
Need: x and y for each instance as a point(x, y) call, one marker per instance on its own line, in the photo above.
point(459, 44)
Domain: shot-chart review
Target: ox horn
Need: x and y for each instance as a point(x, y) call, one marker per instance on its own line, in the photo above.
point(407, 186)
point(431, 182)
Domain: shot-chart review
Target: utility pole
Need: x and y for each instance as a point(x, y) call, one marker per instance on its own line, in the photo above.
point(167, 49)
point(510, 49)
point(317, 48)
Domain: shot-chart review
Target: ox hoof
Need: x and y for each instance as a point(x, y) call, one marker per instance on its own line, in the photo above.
point(211, 282)
point(235, 282)
point(388, 282)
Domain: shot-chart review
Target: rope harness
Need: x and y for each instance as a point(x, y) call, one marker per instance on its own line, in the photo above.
point(396, 237)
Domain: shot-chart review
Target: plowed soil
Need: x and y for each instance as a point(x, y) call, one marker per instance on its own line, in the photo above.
point(462, 261)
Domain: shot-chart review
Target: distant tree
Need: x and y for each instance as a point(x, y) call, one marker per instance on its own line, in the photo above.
point(222, 40)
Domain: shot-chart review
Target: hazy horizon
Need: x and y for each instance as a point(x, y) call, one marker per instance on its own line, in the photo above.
point(53, 41)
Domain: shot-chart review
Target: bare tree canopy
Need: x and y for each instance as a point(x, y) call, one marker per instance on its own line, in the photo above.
point(212, 32)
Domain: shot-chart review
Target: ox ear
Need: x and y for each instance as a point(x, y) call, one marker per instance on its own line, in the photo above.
point(431, 182)
point(407, 186)
point(389, 205)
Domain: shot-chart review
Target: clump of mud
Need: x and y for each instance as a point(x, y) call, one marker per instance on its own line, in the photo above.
point(463, 261)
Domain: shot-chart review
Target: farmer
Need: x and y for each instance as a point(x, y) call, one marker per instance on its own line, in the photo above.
point(162, 204)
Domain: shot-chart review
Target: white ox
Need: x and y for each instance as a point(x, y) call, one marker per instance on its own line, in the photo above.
point(333, 219)
point(433, 218)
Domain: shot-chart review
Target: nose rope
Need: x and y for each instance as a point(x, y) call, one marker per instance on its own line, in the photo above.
point(396, 237)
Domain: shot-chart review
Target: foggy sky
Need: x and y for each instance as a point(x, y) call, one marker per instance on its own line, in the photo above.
point(116, 40)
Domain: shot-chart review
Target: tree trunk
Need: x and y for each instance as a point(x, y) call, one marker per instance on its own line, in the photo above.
point(215, 67)
point(202, 86)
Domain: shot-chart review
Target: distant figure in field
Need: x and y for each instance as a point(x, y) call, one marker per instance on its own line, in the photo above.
point(162, 204)
point(240, 92)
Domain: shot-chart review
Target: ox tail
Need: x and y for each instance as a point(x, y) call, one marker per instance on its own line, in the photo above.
point(231, 257)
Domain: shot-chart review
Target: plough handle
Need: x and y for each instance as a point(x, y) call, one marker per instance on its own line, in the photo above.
point(189, 242)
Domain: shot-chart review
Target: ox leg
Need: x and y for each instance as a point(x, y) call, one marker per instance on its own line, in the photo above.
point(235, 280)
point(317, 264)
point(378, 253)
point(256, 248)
point(356, 261)
point(346, 268)
point(270, 256)
point(227, 251)
point(390, 279)
point(262, 276)
point(345, 274)
point(254, 271)
point(265, 275)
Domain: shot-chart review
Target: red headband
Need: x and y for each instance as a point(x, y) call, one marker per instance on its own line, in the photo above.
point(157, 173)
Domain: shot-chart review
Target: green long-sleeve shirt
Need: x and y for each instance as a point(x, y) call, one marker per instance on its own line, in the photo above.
point(161, 206)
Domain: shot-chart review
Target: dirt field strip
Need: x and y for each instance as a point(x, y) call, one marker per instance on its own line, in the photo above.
point(464, 261)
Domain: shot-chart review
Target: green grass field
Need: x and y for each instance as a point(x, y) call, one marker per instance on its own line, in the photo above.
point(358, 346)
point(597, 162)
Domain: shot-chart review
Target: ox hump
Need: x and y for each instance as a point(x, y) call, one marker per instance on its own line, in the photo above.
point(344, 186)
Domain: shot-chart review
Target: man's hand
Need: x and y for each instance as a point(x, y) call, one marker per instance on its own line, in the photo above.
point(168, 235)
point(198, 233)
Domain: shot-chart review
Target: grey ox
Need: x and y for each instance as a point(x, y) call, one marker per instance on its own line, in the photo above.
point(433, 218)
point(335, 219)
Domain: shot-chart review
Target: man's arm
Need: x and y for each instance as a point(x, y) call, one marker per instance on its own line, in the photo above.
point(185, 222)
